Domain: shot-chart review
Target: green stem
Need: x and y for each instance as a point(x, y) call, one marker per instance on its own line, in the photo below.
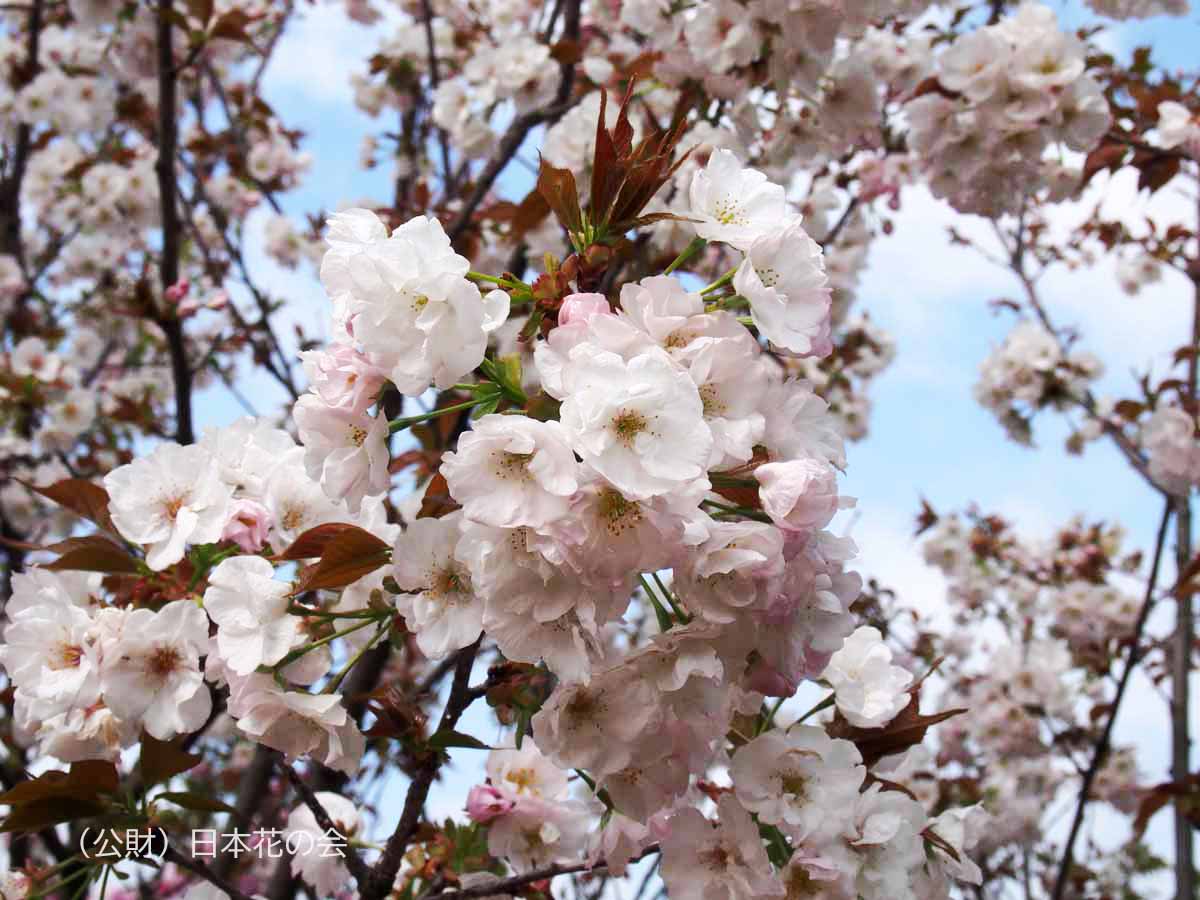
point(75, 876)
point(660, 613)
point(720, 282)
point(680, 613)
point(336, 681)
point(769, 721)
point(824, 704)
point(405, 421)
point(688, 252)
point(739, 511)
point(308, 648)
point(297, 610)
point(506, 282)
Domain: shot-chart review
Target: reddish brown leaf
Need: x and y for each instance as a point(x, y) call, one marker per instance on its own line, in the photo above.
point(312, 543)
point(162, 760)
point(1156, 172)
point(81, 497)
point(1107, 156)
point(345, 558)
point(94, 553)
point(87, 778)
point(437, 501)
point(557, 187)
point(906, 730)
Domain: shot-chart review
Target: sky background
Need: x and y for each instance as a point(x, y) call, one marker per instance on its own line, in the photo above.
point(928, 438)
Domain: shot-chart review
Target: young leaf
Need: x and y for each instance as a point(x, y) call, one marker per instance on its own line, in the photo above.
point(162, 760)
point(81, 497)
point(94, 553)
point(345, 557)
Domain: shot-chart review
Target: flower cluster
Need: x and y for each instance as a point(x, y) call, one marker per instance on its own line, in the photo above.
point(1170, 441)
point(1036, 687)
point(92, 671)
point(1005, 93)
point(1029, 371)
point(666, 441)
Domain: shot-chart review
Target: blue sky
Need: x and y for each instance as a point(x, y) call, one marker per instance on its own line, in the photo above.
point(928, 436)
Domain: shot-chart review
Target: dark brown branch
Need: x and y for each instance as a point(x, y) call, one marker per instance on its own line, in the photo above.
point(520, 127)
point(168, 134)
point(256, 778)
point(507, 885)
point(434, 81)
point(354, 861)
point(1184, 638)
point(10, 190)
point(1103, 745)
point(384, 874)
point(843, 220)
point(198, 868)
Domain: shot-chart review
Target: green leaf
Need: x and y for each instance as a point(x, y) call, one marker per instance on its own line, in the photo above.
point(486, 408)
point(162, 760)
point(194, 801)
point(443, 739)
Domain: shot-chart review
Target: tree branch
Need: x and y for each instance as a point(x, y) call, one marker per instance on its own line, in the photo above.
point(168, 134)
point(507, 885)
point(198, 868)
point(354, 861)
point(1100, 755)
point(520, 128)
point(384, 874)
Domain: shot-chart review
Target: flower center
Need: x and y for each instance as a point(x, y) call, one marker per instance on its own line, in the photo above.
point(710, 399)
point(522, 778)
point(628, 424)
point(293, 517)
point(447, 581)
point(512, 465)
point(582, 708)
point(768, 276)
point(716, 857)
point(66, 656)
point(357, 435)
point(617, 513)
point(729, 212)
point(795, 784)
point(800, 884)
point(163, 661)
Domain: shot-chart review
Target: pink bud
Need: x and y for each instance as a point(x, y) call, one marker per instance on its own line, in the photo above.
point(178, 290)
point(800, 494)
point(485, 803)
point(581, 307)
point(188, 307)
point(249, 522)
point(769, 681)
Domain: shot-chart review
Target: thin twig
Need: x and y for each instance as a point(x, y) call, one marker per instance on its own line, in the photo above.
point(521, 126)
point(1103, 744)
point(507, 885)
point(198, 868)
point(168, 134)
point(384, 874)
point(354, 862)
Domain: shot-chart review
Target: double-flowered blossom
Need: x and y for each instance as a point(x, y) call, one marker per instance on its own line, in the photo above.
point(639, 521)
point(169, 499)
